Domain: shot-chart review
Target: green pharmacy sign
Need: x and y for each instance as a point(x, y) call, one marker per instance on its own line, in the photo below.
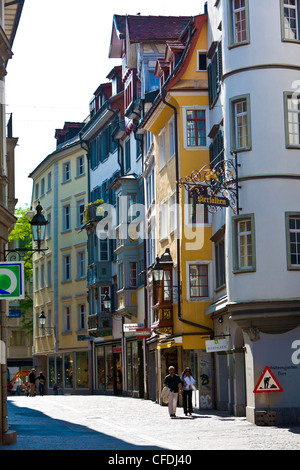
point(12, 280)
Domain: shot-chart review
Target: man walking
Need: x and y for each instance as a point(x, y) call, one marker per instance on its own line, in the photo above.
point(32, 380)
point(173, 381)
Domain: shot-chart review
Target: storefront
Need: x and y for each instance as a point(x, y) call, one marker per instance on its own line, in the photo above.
point(68, 372)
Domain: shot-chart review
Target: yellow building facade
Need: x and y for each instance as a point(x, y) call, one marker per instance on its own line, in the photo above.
point(61, 344)
point(178, 120)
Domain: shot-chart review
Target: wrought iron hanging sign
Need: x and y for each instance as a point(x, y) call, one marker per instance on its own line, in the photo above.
point(215, 184)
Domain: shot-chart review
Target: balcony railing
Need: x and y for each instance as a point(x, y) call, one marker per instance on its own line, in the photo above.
point(99, 273)
point(100, 325)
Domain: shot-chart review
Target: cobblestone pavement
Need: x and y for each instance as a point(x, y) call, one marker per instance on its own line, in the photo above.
point(120, 423)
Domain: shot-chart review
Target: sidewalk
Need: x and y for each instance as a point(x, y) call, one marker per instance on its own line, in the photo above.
point(121, 423)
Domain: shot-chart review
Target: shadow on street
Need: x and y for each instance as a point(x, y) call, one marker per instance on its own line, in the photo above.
point(37, 431)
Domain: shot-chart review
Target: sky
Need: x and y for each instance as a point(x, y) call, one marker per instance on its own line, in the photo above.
point(60, 58)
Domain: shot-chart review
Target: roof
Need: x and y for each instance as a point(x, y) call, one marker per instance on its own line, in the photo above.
point(145, 29)
point(156, 28)
point(12, 14)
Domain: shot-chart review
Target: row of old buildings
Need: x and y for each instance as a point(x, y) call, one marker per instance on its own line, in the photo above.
point(174, 215)
point(10, 15)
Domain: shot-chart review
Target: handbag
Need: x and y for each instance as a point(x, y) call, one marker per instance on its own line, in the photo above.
point(165, 394)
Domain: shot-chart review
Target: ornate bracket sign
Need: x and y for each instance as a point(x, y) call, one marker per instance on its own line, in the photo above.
point(215, 184)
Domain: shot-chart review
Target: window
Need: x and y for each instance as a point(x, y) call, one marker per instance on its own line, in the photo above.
point(80, 212)
point(80, 264)
point(49, 274)
point(293, 240)
point(197, 213)
point(127, 155)
point(202, 61)
point(198, 276)
point(173, 213)
point(238, 22)
point(80, 166)
point(215, 73)
point(153, 82)
point(36, 194)
point(103, 249)
point(167, 288)
point(67, 318)
point(67, 267)
point(42, 186)
point(171, 132)
point(81, 317)
point(66, 172)
point(131, 211)
point(244, 243)
point(66, 217)
point(49, 225)
point(163, 223)
point(120, 276)
point(42, 276)
point(290, 20)
point(196, 128)
point(49, 181)
point(133, 274)
point(240, 123)
point(292, 120)
point(162, 149)
point(220, 263)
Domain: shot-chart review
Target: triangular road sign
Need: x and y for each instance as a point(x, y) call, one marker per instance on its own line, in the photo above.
point(267, 383)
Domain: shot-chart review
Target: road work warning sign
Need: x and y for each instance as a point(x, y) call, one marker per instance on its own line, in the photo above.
point(267, 383)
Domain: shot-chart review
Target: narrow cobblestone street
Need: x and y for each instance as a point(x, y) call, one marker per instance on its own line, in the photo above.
point(128, 424)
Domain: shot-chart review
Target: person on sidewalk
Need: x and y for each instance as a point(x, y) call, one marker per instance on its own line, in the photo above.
point(173, 381)
point(32, 380)
point(188, 385)
point(42, 381)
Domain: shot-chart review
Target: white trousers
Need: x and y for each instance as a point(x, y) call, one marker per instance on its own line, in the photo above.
point(173, 397)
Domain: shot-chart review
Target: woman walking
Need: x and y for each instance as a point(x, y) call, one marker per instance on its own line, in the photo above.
point(188, 385)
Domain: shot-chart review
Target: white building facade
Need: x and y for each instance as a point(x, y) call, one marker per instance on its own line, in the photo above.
point(255, 103)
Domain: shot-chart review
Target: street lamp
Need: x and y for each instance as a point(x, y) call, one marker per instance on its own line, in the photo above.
point(107, 301)
point(158, 270)
point(38, 226)
point(42, 319)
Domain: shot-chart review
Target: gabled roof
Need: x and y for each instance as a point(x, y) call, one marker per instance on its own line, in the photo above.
point(145, 29)
point(156, 28)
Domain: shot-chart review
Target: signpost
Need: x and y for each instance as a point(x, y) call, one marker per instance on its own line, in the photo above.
point(267, 383)
point(216, 345)
point(12, 280)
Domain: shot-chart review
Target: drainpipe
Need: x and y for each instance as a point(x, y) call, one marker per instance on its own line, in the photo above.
point(207, 329)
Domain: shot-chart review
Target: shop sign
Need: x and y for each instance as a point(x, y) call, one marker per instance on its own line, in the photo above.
point(132, 326)
point(14, 313)
point(211, 200)
point(143, 332)
point(217, 345)
point(12, 280)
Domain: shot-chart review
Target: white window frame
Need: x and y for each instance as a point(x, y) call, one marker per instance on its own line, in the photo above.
point(66, 213)
point(81, 316)
point(292, 119)
point(162, 156)
point(287, 34)
point(245, 234)
point(164, 219)
point(207, 126)
point(80, 208)
point(171, 137)
point(66, 172)
point(67, 318)
point(80, 264)
point(65, 265)
point(210, 280)
point(80, 167)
